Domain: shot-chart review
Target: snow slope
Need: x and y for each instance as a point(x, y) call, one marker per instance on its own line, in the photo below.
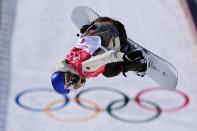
point(44, 34)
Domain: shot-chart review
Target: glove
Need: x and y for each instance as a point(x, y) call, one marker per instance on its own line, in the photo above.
point(131, 56)
point(84, 28)
point(132, 61)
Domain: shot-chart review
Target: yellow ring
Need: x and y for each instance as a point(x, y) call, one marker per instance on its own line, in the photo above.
point(49, 107)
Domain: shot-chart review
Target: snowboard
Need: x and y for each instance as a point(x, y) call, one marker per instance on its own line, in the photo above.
point(158, 69)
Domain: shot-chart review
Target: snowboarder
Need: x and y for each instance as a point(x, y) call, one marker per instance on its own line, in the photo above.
point(101, 48)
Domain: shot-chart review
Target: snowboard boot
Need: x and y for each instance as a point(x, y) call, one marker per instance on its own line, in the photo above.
point(135, 61)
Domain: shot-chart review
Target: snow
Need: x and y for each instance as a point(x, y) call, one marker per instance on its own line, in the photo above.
point(44, 33)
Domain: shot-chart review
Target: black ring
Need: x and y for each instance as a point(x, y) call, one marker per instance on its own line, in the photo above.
point(125, 99)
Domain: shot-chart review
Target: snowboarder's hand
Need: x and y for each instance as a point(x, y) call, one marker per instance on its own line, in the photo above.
point(131, 56)
point(133, 62)
point(84, 28)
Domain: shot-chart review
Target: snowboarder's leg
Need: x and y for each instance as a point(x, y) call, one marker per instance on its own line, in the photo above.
point(112, 69)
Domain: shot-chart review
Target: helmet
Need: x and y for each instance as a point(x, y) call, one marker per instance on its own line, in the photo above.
point(58, 82)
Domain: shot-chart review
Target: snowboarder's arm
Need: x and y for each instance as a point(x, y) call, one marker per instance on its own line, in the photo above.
point(95, 62)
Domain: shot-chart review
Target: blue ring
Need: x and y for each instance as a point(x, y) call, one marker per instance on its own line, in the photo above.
point(126, 98)
point(34, 109)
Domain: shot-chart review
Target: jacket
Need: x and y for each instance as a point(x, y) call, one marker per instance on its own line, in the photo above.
point(97, 51)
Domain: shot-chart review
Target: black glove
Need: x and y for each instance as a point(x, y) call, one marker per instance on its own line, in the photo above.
point(132, 61)
point(84, 28)
point(131, 56)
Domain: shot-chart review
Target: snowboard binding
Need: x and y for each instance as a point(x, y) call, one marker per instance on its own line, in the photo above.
point(142, 73)
point(145, 64)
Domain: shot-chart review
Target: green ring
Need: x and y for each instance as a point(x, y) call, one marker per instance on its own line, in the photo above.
point(109, 110)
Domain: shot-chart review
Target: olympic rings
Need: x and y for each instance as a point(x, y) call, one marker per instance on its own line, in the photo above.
point(126, 98)
point(162, 110)
point(109, 110)
point(97, 110)
point(19, 96)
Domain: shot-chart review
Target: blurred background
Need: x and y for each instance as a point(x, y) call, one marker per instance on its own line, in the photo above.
point(35, 34)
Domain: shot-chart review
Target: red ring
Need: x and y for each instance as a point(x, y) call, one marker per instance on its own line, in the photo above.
point(137, 98)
